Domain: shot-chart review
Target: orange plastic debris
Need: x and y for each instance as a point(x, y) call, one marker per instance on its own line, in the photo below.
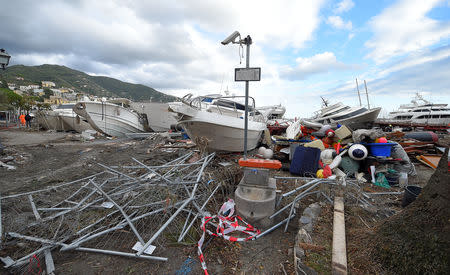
point(260, 163)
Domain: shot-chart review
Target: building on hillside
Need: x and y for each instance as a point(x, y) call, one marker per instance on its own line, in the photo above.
point(70, 96)
point(39, 92)
point(19, 78)
point(24, 88)
point(48, 84)
point(33, 87)
point(56, 92)
point(19, 92)
point(12, 86)
point(55, 100)
point(64, 90)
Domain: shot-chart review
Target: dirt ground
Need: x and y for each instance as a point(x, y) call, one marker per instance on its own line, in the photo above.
point(48, 158)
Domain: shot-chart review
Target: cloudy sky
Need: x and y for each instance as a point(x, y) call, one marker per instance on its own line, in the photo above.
point(306, 48)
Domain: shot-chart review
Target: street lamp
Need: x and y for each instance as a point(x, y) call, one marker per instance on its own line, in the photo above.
point(244, 74)
point(4, 58)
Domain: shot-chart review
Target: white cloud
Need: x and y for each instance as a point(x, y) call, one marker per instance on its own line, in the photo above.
point(344, 5)
point(397, 83)
point(338, 23)
point(319, 63)
point(276, 23)
point(168, 45)
point(403, 28)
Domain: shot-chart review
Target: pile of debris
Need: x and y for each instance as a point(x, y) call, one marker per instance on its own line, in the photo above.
point(132, 211)
point(366, 155)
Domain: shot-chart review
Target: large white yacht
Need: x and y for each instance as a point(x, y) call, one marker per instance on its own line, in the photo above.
point(219, 119)
point(421, 112)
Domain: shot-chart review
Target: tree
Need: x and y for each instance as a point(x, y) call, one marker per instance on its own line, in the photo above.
point(47, 93)
point(4, 83)
point(417, 240)
point(13, 98)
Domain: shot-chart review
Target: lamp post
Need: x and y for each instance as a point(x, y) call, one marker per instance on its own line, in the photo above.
point(4, 58)
point(247, 74)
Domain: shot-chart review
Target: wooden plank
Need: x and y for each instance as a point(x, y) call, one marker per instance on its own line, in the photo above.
point(339, 253)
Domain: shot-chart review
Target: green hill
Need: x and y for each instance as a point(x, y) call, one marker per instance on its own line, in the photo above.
point(81, 82)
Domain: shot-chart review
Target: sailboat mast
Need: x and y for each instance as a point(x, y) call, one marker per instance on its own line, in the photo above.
point(359, 95)
point(367, 95)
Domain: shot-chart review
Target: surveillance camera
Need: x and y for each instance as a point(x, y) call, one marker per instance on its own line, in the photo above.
point(231, 38)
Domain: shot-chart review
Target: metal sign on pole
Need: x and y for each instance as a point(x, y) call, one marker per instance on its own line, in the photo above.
point(247, 74)
point(244, 74)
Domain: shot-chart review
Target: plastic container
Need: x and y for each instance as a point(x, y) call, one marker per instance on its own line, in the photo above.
point(403, 179)
point(260, 163)
point(410, 195)
point(392, 178)
point(380, 149)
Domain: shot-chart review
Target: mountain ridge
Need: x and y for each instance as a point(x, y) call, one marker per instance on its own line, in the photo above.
point(82, 82)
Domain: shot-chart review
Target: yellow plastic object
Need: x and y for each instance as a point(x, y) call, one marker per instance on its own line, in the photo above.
point(319, 174)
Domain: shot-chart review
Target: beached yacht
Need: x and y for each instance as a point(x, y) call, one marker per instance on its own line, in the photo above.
point(62, 118)
point(158, 115)
point(112, 117)
point(421, 112)
point(353, 117)
point(219, 119)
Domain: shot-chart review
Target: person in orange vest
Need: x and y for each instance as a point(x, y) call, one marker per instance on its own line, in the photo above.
point(22, 119)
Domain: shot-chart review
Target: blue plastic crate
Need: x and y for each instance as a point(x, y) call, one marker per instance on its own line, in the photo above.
point(380, 149)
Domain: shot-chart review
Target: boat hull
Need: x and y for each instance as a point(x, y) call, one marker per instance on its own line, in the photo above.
point(221, 137)
point(76, 123)
point(223, 132)
point(49, 120)
point(159, 118)
point(109, 119)
point(364, 120)
point(360, 121)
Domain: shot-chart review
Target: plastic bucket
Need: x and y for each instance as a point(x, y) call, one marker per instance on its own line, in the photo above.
point(410, 195)
point(380, 149)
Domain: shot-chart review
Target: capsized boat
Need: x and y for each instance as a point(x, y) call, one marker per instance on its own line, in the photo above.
point(220, 120)
point(62, 118)
point(353, 117)
point(112, 117)
point(158, 115)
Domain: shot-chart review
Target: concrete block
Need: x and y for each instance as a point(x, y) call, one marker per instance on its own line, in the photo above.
point(256, 203)
point(256, 176)
point(305, 219)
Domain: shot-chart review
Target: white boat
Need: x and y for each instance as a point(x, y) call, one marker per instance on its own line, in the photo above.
point(113, 117)
point(274, 115)
point(158, 115)
point(62, 118)
point(421, 112)
point(353, 117)
point(219, 119)
point(273, 112)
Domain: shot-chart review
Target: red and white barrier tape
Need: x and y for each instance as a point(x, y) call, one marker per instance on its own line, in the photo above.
point(227, 224)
